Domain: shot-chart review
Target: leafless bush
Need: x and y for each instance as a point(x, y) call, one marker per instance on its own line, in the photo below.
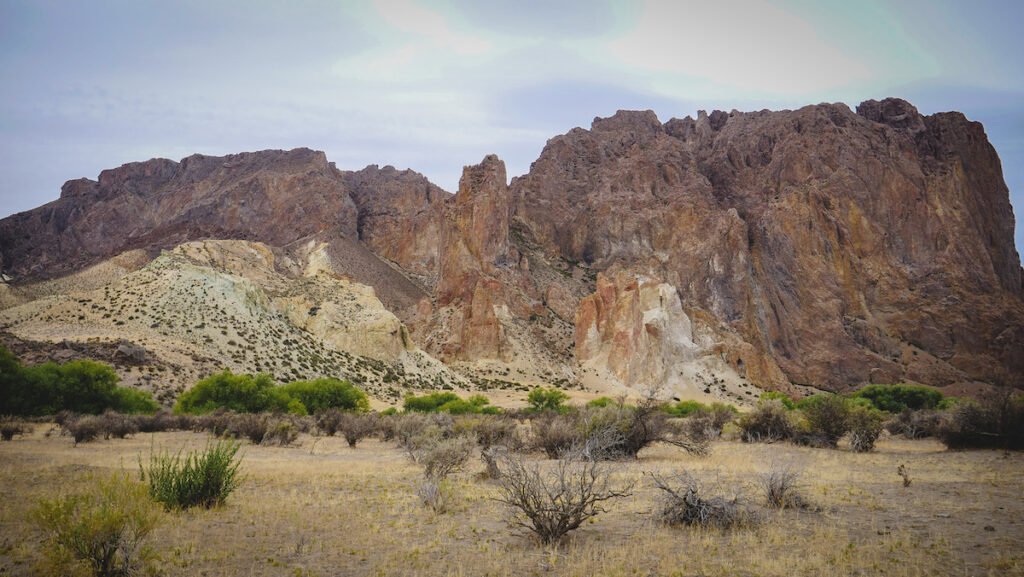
point(163, 420)
point(782, 487)
point(913, 424)
point(245, 425)
point(490, 431)
point(996, 422)
point(216, 423)
point(357, 426)
point(767, 423)
point(446, 456)
point(554, 434)
point(117, 425)
point(684, 504)
point(328, 421)
point(84, 429)
point(708, 423)
point(904, 474)
point(551, 502)
point(436, 494)
point(279, 432)
point(11, 427)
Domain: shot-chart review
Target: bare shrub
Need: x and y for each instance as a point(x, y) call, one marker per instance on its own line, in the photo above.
point(996, 422)
point(84, 429)
point(357, 426)
point(246, 425)
point(117, 425)
point(436, 494)
point(555, 434)
point(554, 501)
point(707, 423)
point(11, 427)
point(904, 474)
point(490, 431)
point(280, 433)
point(913, 424)
point(769, 422)
point(163, 420)
point(684, 504)
point(328, 421)
point(446, 456)
point(216, 423)
point(782, 487)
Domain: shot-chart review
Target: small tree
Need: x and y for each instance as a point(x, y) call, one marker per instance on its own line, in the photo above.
point(555, 501)
point(356, 427)
point(546, 399)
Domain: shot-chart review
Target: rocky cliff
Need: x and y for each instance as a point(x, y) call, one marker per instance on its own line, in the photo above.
point(820, 246)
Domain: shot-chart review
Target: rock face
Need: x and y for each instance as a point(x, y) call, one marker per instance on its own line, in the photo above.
point(818, 246)
point(841, 248)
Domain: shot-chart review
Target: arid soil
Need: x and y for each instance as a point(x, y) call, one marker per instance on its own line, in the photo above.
point(321, 508)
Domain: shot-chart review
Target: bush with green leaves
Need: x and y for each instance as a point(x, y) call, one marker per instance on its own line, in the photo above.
point(827, 418)
point(327, 393)
point(102, 532)
point(865, 425)
point(898, 398)
point(542, 399)
point(203, 479)
point(80, 386)
point(787, 402)
point(446, 402)
point(239, 393)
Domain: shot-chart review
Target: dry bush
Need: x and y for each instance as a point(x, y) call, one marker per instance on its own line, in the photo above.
point(328, 421)
point(490, 431)
point(11, 427)
point(280, 433)
point(163, 420)
point(445, 456)
point(913, 424)
point(683, 503)
point(708, 423)
point(436, 494)
point(767, 423)
point(996, 422)
point(84, 429)
point(904, 474)
point(117, 425)
point(782, 487)
point(216, 423)
point(555, 434)
point(245, 425)
point(357, 426)
point(554, 501)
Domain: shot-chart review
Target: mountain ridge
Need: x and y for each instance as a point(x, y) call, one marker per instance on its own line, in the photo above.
point(821, 246)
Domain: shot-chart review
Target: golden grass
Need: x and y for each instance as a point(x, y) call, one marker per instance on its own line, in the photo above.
point(321, 508)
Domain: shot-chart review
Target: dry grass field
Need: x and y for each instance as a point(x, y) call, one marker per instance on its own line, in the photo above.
point(321, 508)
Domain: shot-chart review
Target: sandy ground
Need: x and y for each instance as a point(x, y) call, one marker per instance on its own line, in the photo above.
point(321, 508)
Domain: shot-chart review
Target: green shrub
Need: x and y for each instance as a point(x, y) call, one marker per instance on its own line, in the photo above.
point(787, 402)
point(203, 479)
point(239, 393)
point(897, 398)
point(327, 393)
point(546, 399)
point(103, 531)
point(865, 425)
point(79, 386)
point(827, 417)
point(428, 403)
point(601, 402)
point(444, 402)
point(685, 408)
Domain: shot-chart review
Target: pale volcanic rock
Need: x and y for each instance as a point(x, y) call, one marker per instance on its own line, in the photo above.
point(634, 329)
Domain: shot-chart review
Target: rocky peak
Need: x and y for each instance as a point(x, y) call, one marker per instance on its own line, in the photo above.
point(895, 112)
point(628, 120)
point(79, 187)
point(481, 211)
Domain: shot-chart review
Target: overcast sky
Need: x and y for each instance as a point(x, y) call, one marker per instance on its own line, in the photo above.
point(433, 86)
